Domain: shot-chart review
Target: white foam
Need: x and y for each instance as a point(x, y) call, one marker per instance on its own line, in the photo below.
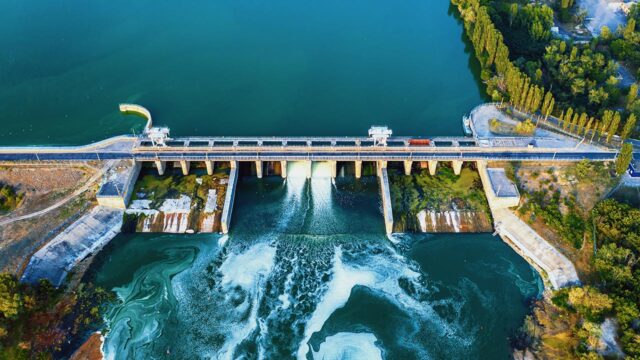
point(383, 277)
point(248, 270)
point(422, 219)
point(245, 268)
point(455, 221)
point(349, 346)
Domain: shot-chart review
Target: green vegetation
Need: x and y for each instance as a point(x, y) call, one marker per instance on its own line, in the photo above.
point(412, 194)
point(37, 321)
point(624, 159)
point(158, 188)
point(526, 127)
point(9, 198)
point(569, 325)
point(519, 60)
point(547, 204)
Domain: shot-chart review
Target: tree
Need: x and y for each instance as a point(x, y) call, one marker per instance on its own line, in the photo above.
point(633, 93)
point(605, 33)
point(11, 299)
point(628, 126)
point(513, 13)
point(614, 126)
point(568, 116)
point(624, 158)
point(589, 302)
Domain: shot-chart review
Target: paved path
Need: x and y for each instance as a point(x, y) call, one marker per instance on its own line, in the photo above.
point(84, 188)
point(559, 269)
point(85, 236)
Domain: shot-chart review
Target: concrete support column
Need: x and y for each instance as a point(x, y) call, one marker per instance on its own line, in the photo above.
point(433, 164)
point(161, 165)
point(309, 165)
point(225, 219)
point(334, 169)
point(358, 169)
point(407, 167)
point(184, 164)
point(233, 164)
point(386, 199)
point(259, 169)
point(283, 169)
point(380, 164)
point(209, 164)
point(457, 166)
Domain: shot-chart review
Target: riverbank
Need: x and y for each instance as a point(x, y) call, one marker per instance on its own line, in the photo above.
point(54, 196)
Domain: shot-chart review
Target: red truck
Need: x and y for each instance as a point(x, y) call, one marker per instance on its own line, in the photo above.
point(419, 142)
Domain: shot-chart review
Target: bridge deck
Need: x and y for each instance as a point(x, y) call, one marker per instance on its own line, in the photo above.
point(308, 148)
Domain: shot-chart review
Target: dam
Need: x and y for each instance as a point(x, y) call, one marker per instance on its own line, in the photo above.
point(155, 146)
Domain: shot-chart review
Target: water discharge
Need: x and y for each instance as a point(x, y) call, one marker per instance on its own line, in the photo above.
point(308, 273)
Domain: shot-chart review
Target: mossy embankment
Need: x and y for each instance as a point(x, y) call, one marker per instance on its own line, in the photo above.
point(444, 202)
point(176, 203)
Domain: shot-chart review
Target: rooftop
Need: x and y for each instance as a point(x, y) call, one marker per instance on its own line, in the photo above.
point(500, 183)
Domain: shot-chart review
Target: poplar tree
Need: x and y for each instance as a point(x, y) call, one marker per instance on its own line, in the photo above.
point(624, 158)
point(549, 108)
point(631, 97)
point(581, 122)
point(567, 118)
point(606, 120)
point(614, 126)
point(595, 130)
point(588, 127)
point(628, 126)
point(574, 122)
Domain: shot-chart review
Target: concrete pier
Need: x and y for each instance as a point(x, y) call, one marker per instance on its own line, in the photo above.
point(433, 167)
point(209, 164)
point(334, 169)
point(283, 169)
point(358, 164)
point(380, 164)
point(309, 164)
point(407, 167)
point(161, 165)
point(457, 166)
point(185, 165)
point(259, 169)
point(386, 199)
point(225, 220)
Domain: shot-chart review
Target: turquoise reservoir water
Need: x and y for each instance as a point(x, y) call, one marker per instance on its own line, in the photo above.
point(308, 273)
point(231, 67)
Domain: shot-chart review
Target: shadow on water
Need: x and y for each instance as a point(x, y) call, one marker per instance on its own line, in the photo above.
point(473, 64)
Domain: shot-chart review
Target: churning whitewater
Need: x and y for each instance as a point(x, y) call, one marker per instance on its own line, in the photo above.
point(293, 280)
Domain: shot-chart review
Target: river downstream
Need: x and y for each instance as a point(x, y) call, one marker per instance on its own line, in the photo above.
point(308, 273)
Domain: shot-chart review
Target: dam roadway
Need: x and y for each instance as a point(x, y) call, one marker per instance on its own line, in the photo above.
point(156, 147)
point(300, 149)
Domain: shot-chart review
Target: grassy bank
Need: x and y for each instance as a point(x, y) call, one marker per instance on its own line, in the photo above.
point(444, 191)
